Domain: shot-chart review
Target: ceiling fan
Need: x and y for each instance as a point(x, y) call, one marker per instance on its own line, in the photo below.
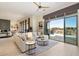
point(40, 6)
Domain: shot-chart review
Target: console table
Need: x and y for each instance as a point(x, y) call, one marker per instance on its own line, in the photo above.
point(4, 35)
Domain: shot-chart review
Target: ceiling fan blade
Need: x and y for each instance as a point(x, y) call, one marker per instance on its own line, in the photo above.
point(39, 3)
point(36, 4)
point(44, 7)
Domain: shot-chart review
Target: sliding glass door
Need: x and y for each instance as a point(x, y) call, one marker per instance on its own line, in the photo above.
point(63, 29)
point(71, 30)
point(56, 29)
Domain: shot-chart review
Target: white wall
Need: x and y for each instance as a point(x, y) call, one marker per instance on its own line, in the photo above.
point(35, 22)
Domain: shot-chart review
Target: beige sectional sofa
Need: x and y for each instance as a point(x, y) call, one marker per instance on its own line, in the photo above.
point(20, 43)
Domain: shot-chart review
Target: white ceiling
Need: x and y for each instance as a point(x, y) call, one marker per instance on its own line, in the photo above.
point(17, 10)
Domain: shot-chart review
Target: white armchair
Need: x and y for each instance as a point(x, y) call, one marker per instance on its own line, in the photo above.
point(35, 36)
point(46, 37)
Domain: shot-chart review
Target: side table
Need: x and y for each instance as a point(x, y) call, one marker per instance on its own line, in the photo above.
point(30, 45)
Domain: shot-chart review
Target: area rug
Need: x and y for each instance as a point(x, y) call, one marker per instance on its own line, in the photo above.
point(41, 49)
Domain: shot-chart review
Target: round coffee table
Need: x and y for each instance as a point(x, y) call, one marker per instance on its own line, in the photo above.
point(42, 42)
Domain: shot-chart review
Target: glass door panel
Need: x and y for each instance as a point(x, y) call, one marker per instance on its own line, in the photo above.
point(56, 29)
point(71, 30)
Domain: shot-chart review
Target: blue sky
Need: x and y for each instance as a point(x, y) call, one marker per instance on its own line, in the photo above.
point(69, 22)
point(57, 23)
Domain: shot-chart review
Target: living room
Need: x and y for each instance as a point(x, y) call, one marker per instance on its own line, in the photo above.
point(33, 29)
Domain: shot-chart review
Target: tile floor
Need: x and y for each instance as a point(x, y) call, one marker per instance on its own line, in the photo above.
point(62, 49)
point(8, 48)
